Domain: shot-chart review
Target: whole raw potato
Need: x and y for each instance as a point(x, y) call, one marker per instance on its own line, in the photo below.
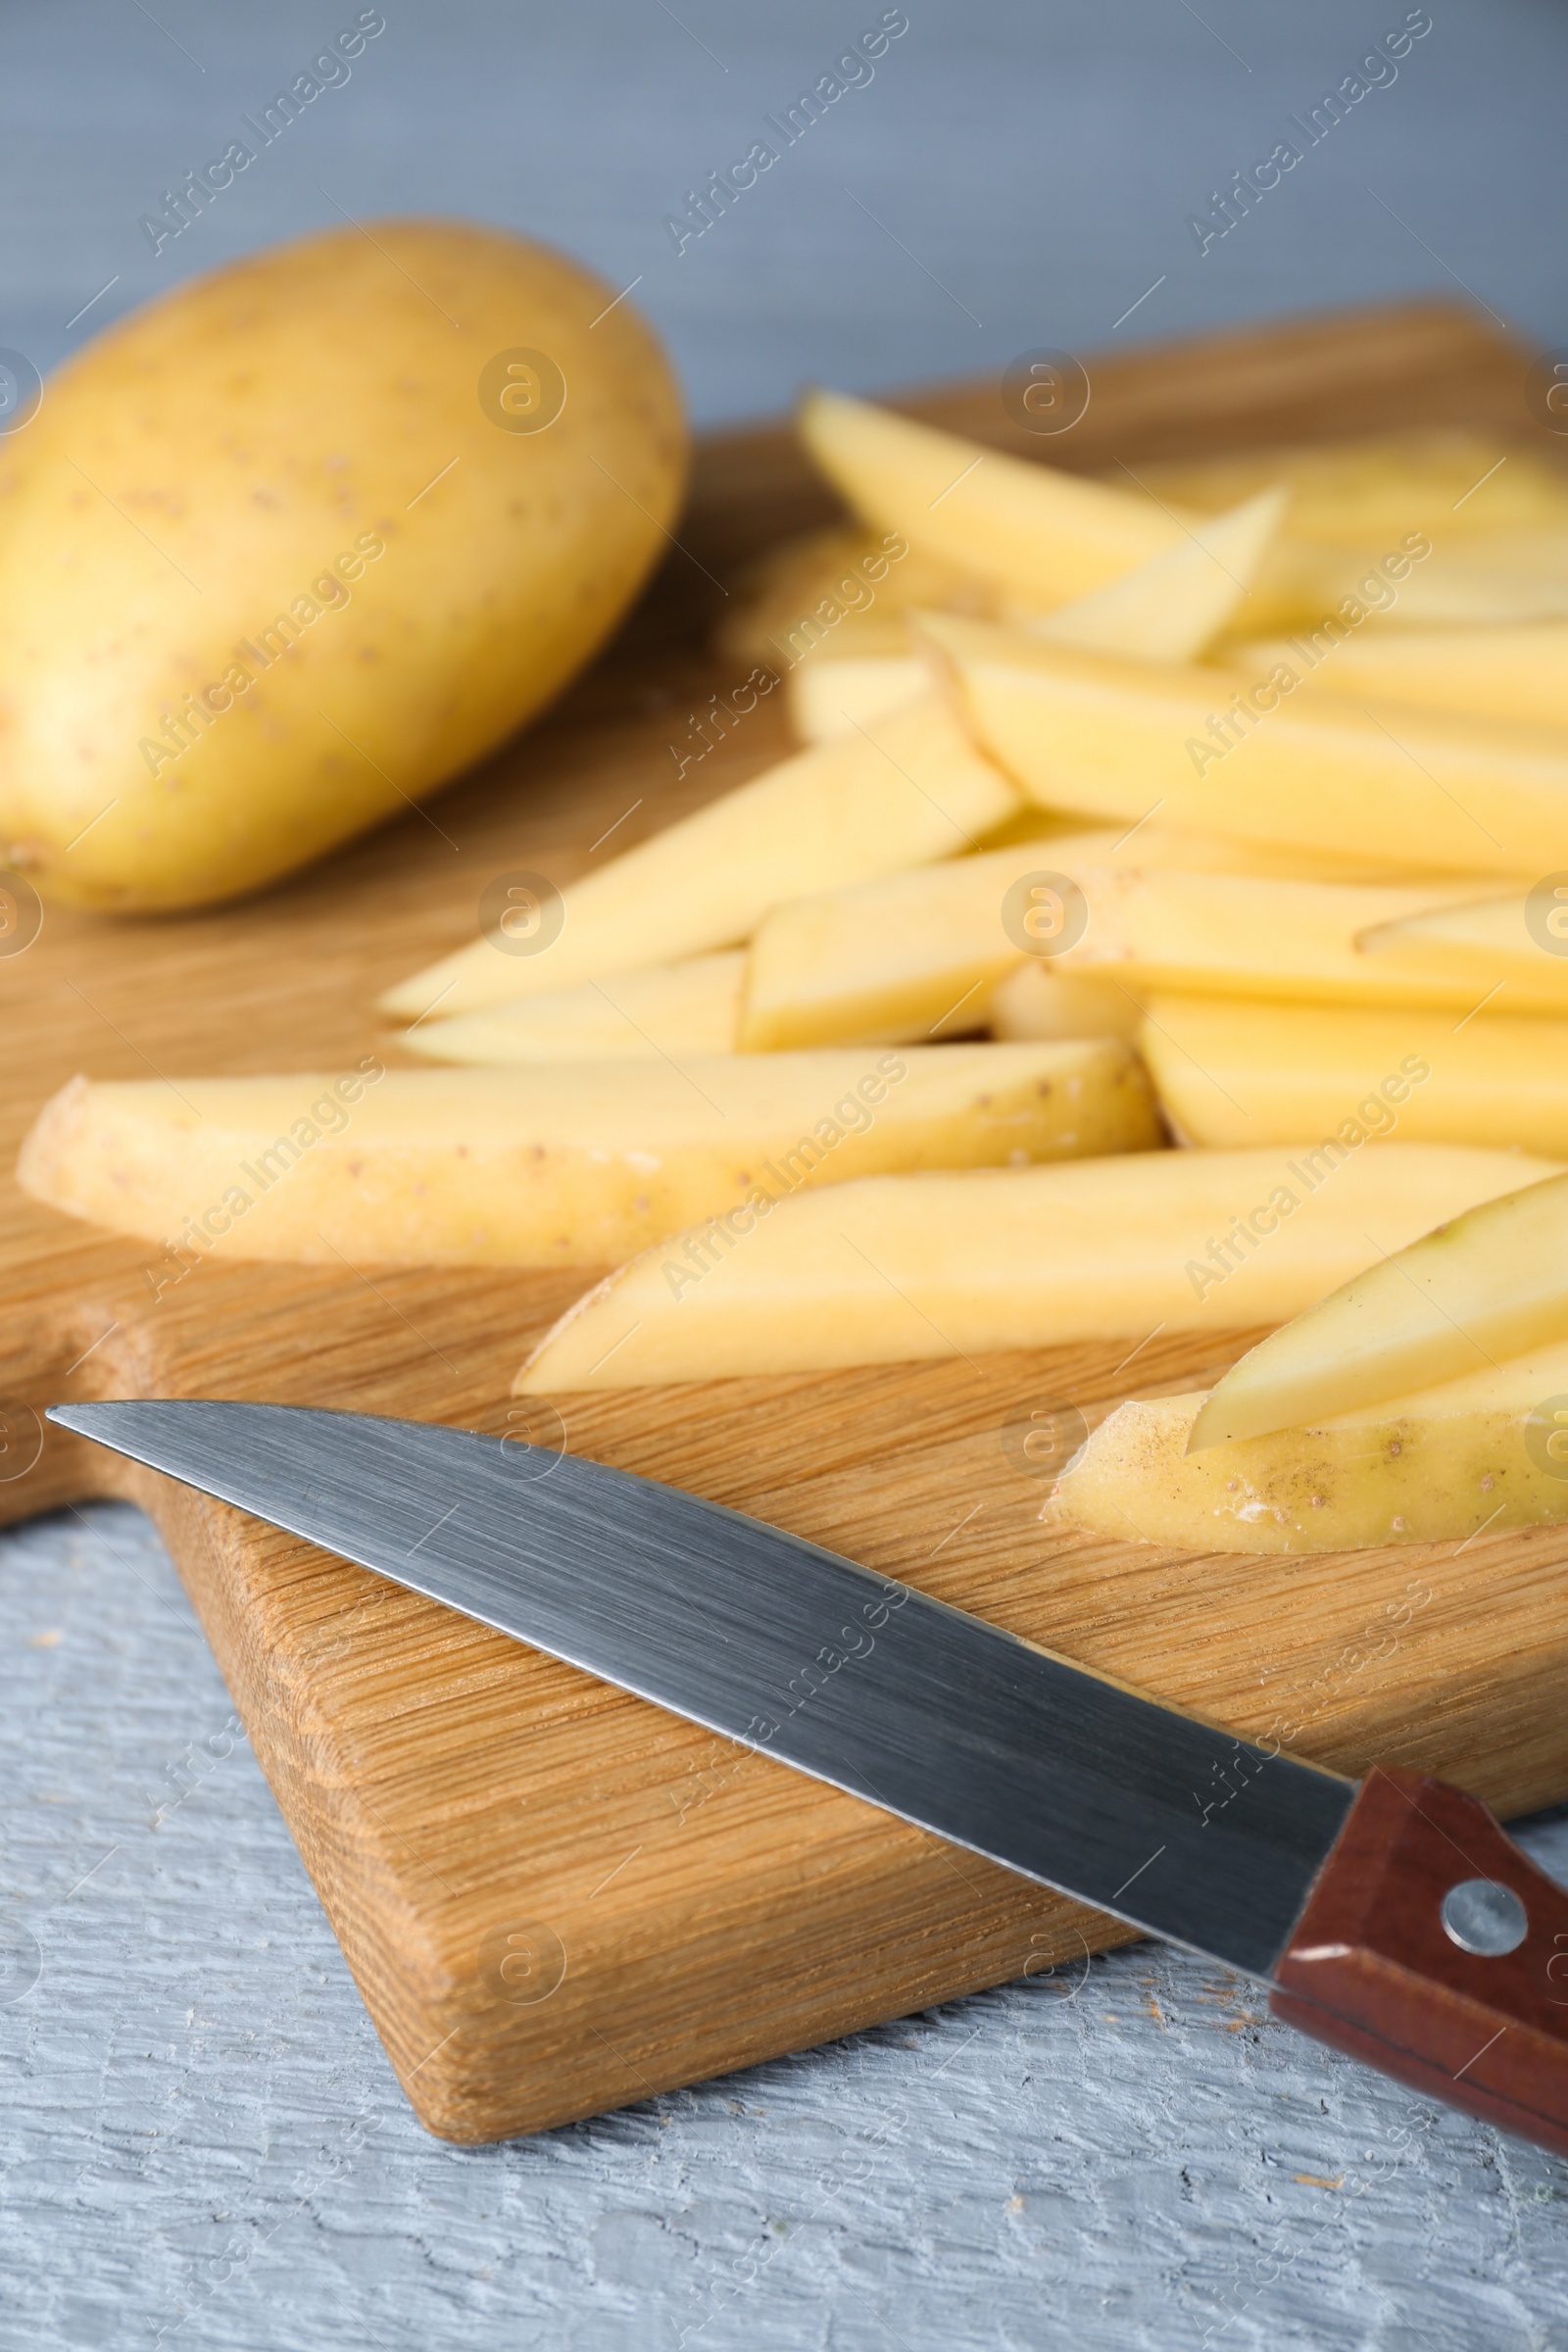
point(295, 544)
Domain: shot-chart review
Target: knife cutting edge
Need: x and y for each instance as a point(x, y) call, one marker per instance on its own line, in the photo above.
point(1391, 1918)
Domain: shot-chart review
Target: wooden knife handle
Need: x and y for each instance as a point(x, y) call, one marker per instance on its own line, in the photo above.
point(1382, 1962)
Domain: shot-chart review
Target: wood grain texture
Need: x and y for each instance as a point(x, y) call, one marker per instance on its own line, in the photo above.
point(1372, 1969)
point(553, 1898)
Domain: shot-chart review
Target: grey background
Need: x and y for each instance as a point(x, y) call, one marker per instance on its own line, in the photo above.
point(201, 2141)
point(1036, 164)
point(203, 2145)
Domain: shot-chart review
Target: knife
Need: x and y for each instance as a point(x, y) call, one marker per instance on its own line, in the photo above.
point(1391, 1918)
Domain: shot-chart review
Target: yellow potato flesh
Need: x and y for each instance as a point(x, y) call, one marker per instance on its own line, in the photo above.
point(918, 953)
point(907, 791)
point(1035, 1000)
point(937, 1266)
point(1166, 610)
point(674, 1008)
point(1118, 738)
point(830, 595)
point(1499, 579)
point(553, 1165)
point(1487, 521)
point(1230, 935)
point(1230, 1072)
point(831, 698)
point(1509, 578)
point(268, 571)
point(1170, 608)
point(1369, 492)
point(1478, 1454)
point(1032, 531)
point(1513, 949)
point(1489, 1284)
point(1517, 674)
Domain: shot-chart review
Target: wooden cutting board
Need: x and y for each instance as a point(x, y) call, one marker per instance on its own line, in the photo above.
point(555, 1898)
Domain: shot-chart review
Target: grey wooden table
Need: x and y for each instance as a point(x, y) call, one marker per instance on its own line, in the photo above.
point(202, 2144)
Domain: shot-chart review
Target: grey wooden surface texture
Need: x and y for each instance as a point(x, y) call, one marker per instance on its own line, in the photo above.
point(202, 2144)
point(200, 2141)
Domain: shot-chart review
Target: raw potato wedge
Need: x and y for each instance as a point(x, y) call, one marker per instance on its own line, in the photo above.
point(1498, 513)
point(1041, 535)
point(917, 953)
point(831, 698)
point(1519, 942)
point(909, 791)
point(552, 1166)
point(1170, 608)
point(1502, 579)
point(1518, 674)
point(1229, 1073)
point(1505, 579)
point(1365, 493)
point(1036, 999)
point(1489, 1284)
point(1355, 503)
point(677, 1010)
point(840, 592)
point(1488, 1451)
point(1119, 738)
point(934, 1265)
point(1230, 935)
point(1166, 610)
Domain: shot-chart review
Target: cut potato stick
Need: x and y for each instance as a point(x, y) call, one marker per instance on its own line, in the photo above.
point(1518, 674)
point(554, 1166)
point(1504, 579)
point(1231, 935)
point(1499, 579)
point(1486, 523)
point(937, 1266)
point(1367, 493)
point(830, 698)
point(1166, 610)
point(912, 955)
point(695, 1006)
point(1027, 823)
point(1472, 1455)
point(909, 790)
point(918, 954)
point(1170, 608)
point(1520, 941)
point(1301, 584)
point(669, 1008)
point(1045, 536)
point(1036, 999)
point(840, 591)
point(1122, 737)
point(1488, 1284)
point(1230, 1072)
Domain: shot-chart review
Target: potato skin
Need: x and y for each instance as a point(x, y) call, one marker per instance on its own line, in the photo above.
point(267, 440)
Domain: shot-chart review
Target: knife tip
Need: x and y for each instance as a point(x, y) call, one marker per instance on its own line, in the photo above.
point(87, 1420)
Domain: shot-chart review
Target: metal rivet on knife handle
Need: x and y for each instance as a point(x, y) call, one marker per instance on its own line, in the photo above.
point(1432, 1947)
point(1481, 1916)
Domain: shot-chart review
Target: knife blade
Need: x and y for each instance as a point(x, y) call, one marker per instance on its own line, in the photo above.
point(1351, 1901)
